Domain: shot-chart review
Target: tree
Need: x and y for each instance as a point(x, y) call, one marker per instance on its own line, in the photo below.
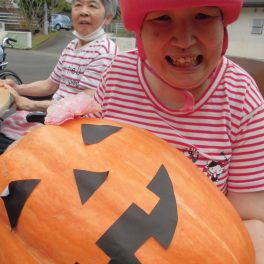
point(57, 6)
point(6, 3)
point(34, 11)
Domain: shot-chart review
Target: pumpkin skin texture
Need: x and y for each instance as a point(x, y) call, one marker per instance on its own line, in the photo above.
point(56, 226)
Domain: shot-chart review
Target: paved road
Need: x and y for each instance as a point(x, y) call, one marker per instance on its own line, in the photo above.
point(33, 65)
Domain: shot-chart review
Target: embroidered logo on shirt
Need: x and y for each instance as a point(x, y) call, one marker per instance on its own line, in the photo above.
point(213, 168)
point(192, 153)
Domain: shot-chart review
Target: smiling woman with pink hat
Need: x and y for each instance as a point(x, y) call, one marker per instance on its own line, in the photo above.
point(179, 85)
point(134, 12)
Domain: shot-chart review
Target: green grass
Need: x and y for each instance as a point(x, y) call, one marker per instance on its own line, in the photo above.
point(39, 38)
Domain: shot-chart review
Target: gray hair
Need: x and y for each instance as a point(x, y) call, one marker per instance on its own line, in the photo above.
point(110, 7)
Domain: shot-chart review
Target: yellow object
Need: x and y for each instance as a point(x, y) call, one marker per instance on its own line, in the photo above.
point(5, 100)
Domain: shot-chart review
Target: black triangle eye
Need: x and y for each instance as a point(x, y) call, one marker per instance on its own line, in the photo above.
point(15, 196)
point(93, 134)
point(88, 182)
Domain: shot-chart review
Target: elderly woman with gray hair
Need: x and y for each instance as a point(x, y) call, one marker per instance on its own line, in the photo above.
point(79, 67)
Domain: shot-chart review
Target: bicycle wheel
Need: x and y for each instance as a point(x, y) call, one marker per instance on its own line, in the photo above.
point(8, 74)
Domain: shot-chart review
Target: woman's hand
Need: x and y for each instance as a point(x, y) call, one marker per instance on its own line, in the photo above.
point(22, 103)
point(250, 206)
point(256, 231)
point(9, 83)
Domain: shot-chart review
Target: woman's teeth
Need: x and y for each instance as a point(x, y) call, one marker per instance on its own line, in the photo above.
point(185, 61)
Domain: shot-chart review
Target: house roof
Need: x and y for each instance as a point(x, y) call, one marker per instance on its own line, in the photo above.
point(253, 3)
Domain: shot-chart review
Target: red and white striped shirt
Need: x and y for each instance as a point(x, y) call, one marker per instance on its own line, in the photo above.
point(224, 135)
point(76, 70)
point(79, 69)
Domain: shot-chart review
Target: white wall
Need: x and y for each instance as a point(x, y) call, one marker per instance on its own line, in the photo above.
point(241, 42)
point(24, 39)
point(123, 43)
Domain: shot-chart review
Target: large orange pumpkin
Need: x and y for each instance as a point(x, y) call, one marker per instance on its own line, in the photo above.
point(96, 191)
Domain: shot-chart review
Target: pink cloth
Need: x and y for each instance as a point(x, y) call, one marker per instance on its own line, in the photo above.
point(70, 107)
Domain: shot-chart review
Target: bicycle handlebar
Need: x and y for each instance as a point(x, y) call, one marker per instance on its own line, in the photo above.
point(8, 41)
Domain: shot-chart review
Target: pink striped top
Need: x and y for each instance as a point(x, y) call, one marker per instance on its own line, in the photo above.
point(76, 70)
point(79, 69)
point(224, 135)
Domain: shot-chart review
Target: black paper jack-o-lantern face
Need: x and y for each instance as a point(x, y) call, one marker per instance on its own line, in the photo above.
point(90, 195)
point(117, 242)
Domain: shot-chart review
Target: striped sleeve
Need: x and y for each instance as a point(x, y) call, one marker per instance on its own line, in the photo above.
point(246, 171)
point(93, 73)
point(56, 74)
